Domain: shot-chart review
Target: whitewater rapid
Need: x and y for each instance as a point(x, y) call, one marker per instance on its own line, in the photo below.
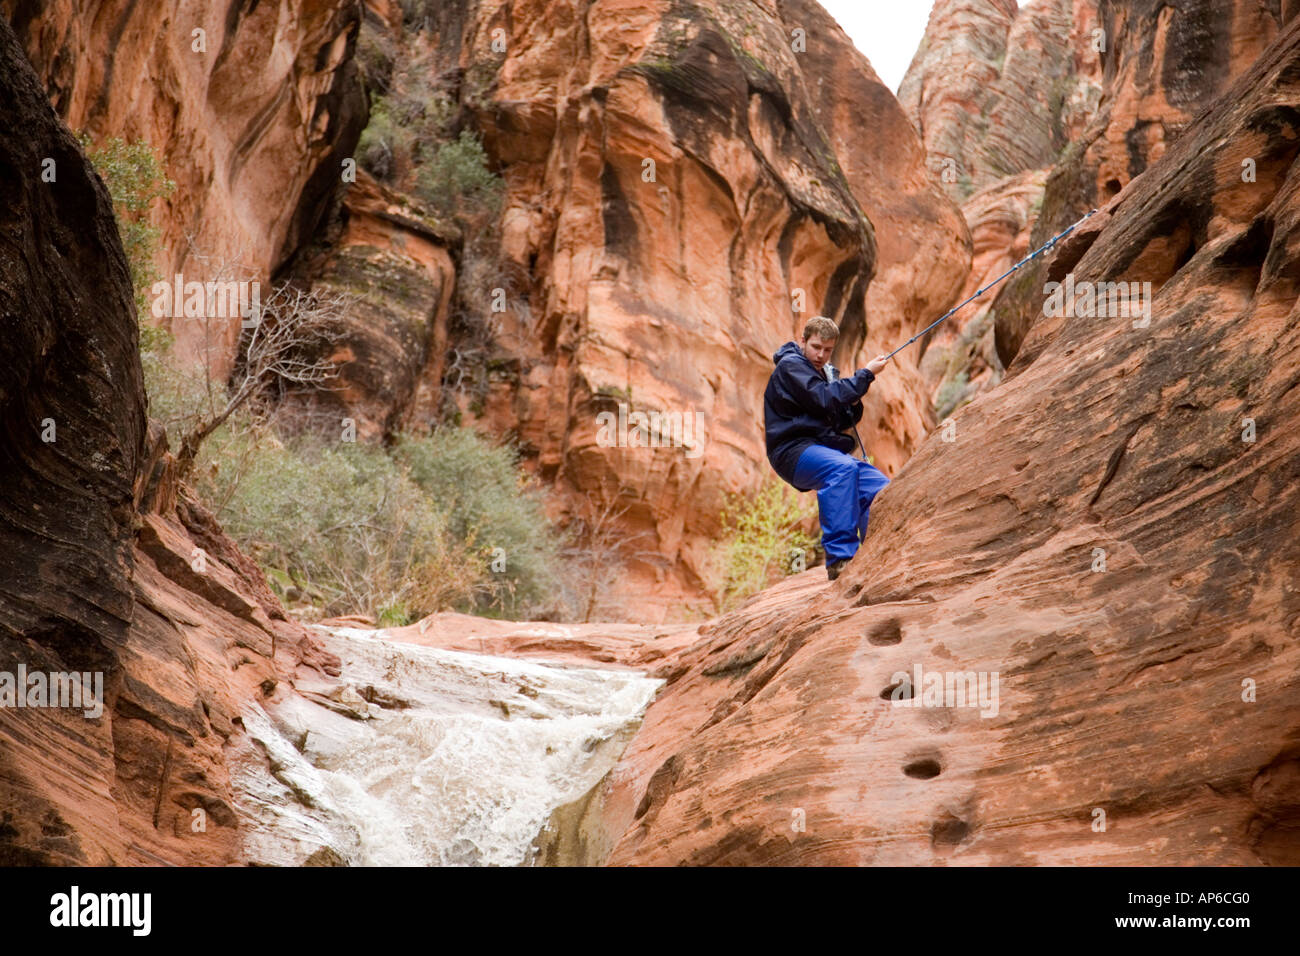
point(417, 756)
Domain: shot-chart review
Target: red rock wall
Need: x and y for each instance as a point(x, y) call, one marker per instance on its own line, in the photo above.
point(996, 90)
point(399, 274)
point(676, 292)
point(1001, 218)
point(923, 245)
point(1162, 66)
point(253, 130)
point(997, 93)
point(1099, 531)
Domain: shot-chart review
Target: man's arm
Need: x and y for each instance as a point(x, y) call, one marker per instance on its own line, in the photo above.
point(809, 388)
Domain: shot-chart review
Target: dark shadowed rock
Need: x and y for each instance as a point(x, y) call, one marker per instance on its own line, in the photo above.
point(155, 600)
point(70, 381)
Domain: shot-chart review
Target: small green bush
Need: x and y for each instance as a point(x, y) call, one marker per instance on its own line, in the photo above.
point(457, 180)
point(342, 523)
point(407, 124)
point(382, 142)
point(396, 534)
point(135, 179)
point(180, 394)
point(490, 506)
point(763, 539)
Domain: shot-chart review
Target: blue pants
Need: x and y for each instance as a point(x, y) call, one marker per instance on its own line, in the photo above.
point(845, 489)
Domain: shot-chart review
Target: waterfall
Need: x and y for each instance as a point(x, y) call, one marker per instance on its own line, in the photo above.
point(418, 756)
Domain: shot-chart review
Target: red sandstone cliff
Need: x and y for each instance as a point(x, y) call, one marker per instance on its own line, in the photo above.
point(252, 109)
point(1163, 66)
point(997, 89)
point(1122, 556)
point(1158, 687)
point(1034, 115)
point(996, 92)
point(103, 569)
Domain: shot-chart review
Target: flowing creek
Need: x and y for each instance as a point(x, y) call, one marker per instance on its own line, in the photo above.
point(417, 756)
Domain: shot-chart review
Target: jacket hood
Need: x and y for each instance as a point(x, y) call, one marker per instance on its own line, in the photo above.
point(790, 348)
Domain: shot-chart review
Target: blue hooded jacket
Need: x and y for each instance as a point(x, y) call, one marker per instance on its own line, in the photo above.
point(801, 408)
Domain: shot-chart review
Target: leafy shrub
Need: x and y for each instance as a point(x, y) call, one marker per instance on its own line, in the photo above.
point(180, 394)
point(763, 538)
point(457, 180)
point(406, 124)
point(134, 178)
point(490, 505)
point(355, 529)
point(342, 523)
point(383, 142)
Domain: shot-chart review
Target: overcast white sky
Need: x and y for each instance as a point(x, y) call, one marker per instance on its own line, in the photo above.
point(887, 31)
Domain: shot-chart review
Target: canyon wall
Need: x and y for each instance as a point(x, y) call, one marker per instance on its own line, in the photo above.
point(397, 267)
point(107, 568)
point(1162, 66)
point(252, 109)
point(1114, 532)
point(996, 92)
point(997, 89)
point(1032, 116)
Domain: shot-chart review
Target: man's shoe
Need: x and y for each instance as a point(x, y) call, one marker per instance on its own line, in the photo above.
point(833, 568)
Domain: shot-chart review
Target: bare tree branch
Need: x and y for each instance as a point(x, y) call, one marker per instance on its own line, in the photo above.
point(278, 345)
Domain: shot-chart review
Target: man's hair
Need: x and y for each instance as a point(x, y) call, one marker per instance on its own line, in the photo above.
point(821, 327)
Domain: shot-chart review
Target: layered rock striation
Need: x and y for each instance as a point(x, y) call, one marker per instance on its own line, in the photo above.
point(997, 89)
point(1162, 66)
point(252, 108)
point(109, 570)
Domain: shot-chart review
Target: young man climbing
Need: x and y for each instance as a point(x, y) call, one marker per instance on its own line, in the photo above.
point(807, 408)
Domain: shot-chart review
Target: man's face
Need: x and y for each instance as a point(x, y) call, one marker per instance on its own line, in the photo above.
point(818, 350)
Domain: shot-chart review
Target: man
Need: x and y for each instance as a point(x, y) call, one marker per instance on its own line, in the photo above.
point(807, 408)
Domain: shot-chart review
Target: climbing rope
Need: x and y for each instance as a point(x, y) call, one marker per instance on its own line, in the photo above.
point(1033, 255)
point(947, 315)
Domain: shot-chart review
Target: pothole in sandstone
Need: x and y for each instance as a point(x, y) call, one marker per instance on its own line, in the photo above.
point(923, 768)
point(886, 633)
point(900, 690)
